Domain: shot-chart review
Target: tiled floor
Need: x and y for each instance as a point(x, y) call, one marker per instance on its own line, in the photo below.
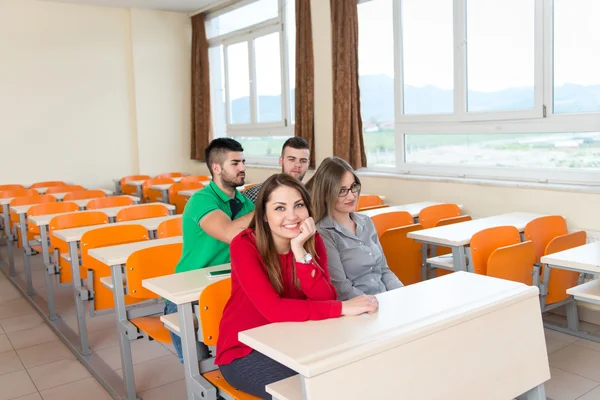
point(35, 364)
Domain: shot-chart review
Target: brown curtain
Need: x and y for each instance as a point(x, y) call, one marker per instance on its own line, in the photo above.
point(201, 119)
point(347, 122)
point(305, 77)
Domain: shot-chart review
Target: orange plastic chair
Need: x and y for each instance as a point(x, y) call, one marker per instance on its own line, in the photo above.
point(84, 194)
point(49, 208)
point(368, 201)
point(149, 263)
point(60, 247)
point(542, 230)
point(170, 175)
point(64, 189)
point(169, 228)
point(153, 195)
point(513, 263)
point(212, 304)
point(484, 242)
point(403, 254)
point(560, 279)
point(23, 201)
point(194, 178)
point(394, 219)
point(142, 211)
point(130, 190)
point(441, 250)
point(15, 193)
point(107, 202)
point(429, 216)
point(48, 184)
point(10, 187)
point(111, 235)
point(180, 201)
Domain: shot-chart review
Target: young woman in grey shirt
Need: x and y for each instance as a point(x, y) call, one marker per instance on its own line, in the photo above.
point(356, 260)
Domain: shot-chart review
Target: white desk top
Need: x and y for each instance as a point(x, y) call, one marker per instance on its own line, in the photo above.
point(22, 209)
point(6, 200)
point(413, 209)
point(60, 196)
point(117, 255)
point(314, 347)
point(141, 182)
point(460, 234)
point(111, 212)
point(582, 258)
point(190, 192)
point(75, 234)
point(80, 203)
point(183, 287)
point(166, 186)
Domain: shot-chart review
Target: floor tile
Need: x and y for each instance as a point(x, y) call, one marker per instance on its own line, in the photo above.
point(57, 373)
point(33, 396)
point(30, 337)
point(89, 386)
point(19, 323)
point(563, 337)
point(16, 384)
point(44, 353)
point(141, 350)
point(591, 395)
point(15, 308)
point(567, 386)
point(5, 344)
point(578, 360)
point(103, 339)
point(158, 372)
point(174, 390)
point(9, 362)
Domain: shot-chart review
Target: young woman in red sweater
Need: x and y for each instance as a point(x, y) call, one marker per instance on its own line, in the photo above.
point(278, 274)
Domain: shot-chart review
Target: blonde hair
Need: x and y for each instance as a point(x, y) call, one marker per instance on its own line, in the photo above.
point(325, 185)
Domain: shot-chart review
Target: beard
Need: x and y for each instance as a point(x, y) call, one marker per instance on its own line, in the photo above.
point(233, 181)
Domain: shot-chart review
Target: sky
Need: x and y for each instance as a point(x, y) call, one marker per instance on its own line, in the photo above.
point(500, 44)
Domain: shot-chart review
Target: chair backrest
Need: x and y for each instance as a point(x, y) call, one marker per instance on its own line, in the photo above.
point(84, 194)
point(18, 193)
point(126, 189)
point(429, 216)
point(26, 200)
point(394, 219)
point(542, 230)
point(402, 253)
point(560, 279)
point(484, 242)
point(141, 212)
point(368, 200)
point(170, 227)
point(48, 184)
point(110, 235)
point(513, 262)
point(155, 181)
point(373, 207)
point(195, 178)
point(150, 263)
point(170, 175)
point(212, 303)
point(180, 201)
point(10, 187)
point(452, 220)
point(64, 189)
point(50, 208)
point(107, 202)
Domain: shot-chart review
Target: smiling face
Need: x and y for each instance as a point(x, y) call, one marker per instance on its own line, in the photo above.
point(294, 162)
point(347, 204)
point(285, 211)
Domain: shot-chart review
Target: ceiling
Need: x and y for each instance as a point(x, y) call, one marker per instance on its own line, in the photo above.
point(187, 6)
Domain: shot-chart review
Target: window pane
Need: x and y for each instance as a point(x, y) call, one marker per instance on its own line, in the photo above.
point(536, 150)
point(376, 80)
point(242, 17)
point(268, 77)
point(239, 83)
point(262, 147)
point(428, 56)
point(576, 56)
point(500, 61)
point(217, 90)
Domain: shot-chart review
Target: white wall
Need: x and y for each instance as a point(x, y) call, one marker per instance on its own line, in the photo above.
point(91, 93)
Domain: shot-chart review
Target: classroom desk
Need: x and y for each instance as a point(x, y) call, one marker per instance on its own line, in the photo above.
point(481, 337)
point(190, 192)
point(61, 196)
point(117, 183)
point(139, 183)
point(164, 191)
point(458, 236)
point(5, 204)
point(584, 259)
point(413, 209)
point(183, 289)
point(116, 257)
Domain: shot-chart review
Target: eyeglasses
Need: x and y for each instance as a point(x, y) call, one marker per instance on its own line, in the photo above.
point(355, 187)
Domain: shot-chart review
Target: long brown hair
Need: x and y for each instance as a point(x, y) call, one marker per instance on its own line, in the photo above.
point(264, 236)
point(325, 185)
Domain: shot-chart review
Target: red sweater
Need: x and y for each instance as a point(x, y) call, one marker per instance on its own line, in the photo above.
point(254, 302)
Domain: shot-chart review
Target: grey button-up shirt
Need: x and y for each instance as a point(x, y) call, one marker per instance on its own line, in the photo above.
point(356, 262)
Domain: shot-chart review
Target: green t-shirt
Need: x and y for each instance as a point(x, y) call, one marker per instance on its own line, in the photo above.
point(200, 250)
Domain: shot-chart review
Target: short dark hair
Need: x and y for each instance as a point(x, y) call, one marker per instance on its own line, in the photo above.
point(295, 143)
point(218, 148)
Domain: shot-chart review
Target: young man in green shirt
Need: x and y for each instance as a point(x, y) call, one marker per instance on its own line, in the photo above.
point(213, 216)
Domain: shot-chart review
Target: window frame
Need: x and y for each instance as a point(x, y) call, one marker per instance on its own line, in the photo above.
point(540, 119)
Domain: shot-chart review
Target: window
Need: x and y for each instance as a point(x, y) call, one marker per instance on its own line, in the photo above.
point(251, 43)
point(496, 89)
